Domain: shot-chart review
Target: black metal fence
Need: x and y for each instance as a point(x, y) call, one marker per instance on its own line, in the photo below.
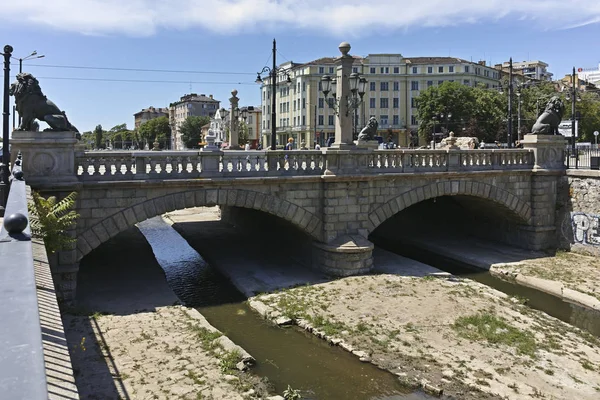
point(587, 157)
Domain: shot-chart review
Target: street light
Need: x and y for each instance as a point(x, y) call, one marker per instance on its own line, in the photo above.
point(441, 118)
point(572, 95)
point(357, 84)
point(4, 171)
point(274, 72)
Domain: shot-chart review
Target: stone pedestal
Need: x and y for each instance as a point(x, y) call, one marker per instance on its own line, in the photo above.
point(548, 150)
point(48, 157)
point(347, 255)
point(366, 145)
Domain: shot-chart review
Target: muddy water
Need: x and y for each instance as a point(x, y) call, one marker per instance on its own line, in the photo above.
point(570, 313)
point(286, 356)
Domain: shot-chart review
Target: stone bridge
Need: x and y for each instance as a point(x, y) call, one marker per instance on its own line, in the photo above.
point(336, 197)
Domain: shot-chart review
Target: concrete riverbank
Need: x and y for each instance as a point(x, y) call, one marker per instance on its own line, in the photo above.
point(429, 328)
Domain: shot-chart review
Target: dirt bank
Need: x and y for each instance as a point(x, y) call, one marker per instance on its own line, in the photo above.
point(448, 332)
point(129, 339)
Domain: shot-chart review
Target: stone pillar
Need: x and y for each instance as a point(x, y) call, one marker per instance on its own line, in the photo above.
point(343, 122)
point(233, 122)
point(346, 255)
point(48, 157)
point(549, 167)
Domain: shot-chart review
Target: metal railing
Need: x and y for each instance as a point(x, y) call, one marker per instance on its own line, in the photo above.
point(135, 165)
point(22, 369)
point(582, 158)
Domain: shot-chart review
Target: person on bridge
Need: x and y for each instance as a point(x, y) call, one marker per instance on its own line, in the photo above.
point(290, 144)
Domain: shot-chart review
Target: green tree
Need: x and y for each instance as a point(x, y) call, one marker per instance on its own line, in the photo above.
point(449, 97)
point(98, 137)
point(243, 135)
point(587, 109)
point(191, 130)
point(157, 129)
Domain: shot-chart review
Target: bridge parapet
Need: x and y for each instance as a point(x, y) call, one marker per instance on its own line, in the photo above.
point(133, 165)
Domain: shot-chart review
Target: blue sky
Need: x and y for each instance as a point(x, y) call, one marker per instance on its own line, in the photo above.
point(234, 37)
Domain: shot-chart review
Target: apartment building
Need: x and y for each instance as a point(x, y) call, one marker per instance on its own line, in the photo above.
point(592, 75)
point(394, 82)
point(530, 69)
point(149, 113)
point(189, 105)
point(253, 121)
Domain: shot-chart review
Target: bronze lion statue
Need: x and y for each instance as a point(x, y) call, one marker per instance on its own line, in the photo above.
point(32, 104)
point(547, 123)
point(369, 131)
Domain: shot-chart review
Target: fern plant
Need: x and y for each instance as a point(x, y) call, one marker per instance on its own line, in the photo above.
point(50, 220)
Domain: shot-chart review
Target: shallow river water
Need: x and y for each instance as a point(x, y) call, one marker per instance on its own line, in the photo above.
point(286, 356)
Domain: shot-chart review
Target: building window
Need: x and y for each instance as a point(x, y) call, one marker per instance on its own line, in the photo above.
point(381, 70)
point(414, 85)
point(384, 86)
point(396, 70)
point(321, 70)
point(396, 102)
point(249, 119)
point(294, 121)
point(320, 86)
point(304, 120)
point(396, 85)
point(330, 102)
point(320, 120)
point(372, 86)
point(321, 102)
point(383, 102)
point(467, 82)
point(467, 69)
point(372, 103)
point(430, 70)
point(440, 82)
point(396, 120)
point(451, 68)
point(429, 83)
point(331, 70)
point(250, 132)
point(414, 69)
point(383, 120)
point(355, 69)
point(413, 102)
point(330, 120)
point(441, 69)
point(413, 120)
point(303, 103)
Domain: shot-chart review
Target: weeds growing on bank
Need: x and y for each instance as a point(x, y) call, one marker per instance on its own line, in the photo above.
point(495, 330)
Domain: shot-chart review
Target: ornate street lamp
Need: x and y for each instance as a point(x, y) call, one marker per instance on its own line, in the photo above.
point(273, 73)
point(357, 86)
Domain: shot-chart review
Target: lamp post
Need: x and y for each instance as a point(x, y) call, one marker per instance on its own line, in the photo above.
point(510, 93)
point(274, 72)
point(573, 121)
point(518, 114)
point(441, 117)
point(4, 172)
point(352, 88)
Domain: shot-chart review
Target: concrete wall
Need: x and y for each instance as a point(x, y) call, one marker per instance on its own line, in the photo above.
point(578, 211)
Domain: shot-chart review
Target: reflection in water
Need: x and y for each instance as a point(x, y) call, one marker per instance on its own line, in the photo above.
point(287, 356)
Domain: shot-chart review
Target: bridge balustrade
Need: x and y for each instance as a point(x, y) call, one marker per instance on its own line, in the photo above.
point(115, 166)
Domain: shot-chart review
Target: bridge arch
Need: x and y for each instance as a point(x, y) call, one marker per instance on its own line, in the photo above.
point(450, 188)
point(111, 225)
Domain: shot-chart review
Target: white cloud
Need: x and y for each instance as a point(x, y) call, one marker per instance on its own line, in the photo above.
point(338, 17)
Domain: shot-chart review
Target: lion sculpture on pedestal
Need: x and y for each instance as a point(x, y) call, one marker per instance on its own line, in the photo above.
point(547, 123)
point(32, 104)
point(369, 131)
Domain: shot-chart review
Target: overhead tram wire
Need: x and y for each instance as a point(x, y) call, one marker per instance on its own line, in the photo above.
point(143, 81)
point(139, 69)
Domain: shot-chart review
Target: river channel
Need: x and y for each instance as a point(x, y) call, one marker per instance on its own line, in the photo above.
point(286, 356)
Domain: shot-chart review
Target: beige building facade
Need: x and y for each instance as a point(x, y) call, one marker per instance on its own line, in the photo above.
point(393, 84)
point(149, 113)
point(189, 105)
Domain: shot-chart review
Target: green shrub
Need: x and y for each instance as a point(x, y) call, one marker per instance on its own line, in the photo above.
point(50, 220)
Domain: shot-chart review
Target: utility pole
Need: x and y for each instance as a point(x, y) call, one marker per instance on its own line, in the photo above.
point(273, 101)
point(573, 120)
point(510, 93)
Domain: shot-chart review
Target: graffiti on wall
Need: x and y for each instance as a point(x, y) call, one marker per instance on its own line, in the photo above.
point(585, 228)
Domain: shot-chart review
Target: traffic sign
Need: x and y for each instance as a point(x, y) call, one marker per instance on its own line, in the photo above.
point(596, 133)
